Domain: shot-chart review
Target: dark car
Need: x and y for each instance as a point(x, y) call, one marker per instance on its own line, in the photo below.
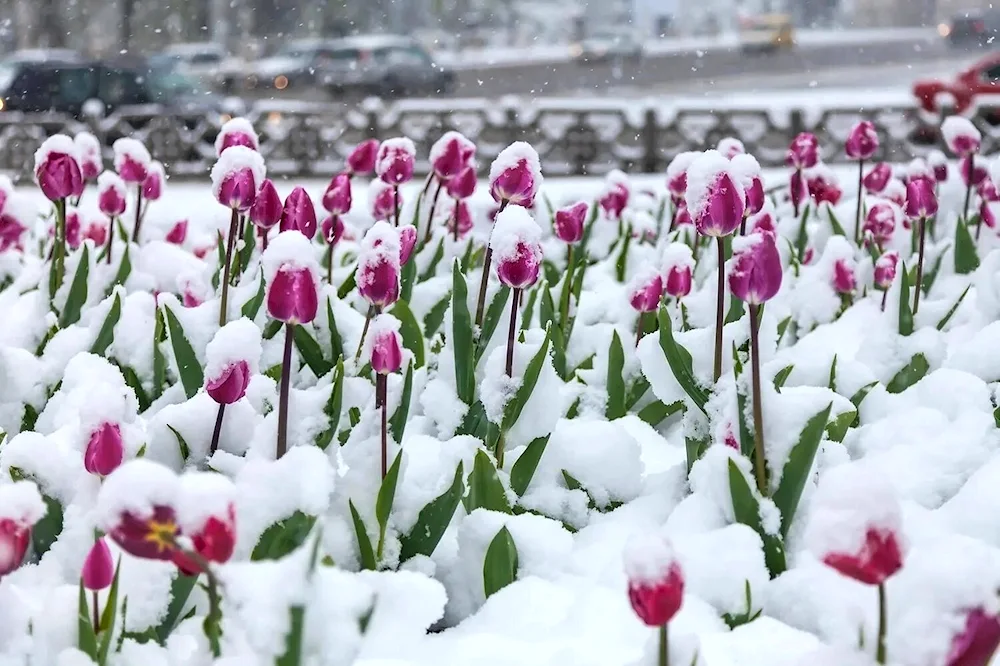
point(973, 30)
point(294, 65)
point(385, 66)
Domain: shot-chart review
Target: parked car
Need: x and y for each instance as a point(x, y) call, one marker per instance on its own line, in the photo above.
point(767, 33)
point(959, 94)
point(294, 65)
point(386, 66)
point(207, 61)
point(608, 44)
point(972, 29)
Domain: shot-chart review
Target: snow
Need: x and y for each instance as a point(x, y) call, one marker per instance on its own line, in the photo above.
point(289, 249)
point(956, 127)
point(511, 157)
point(234, 160)
point(236, 126)
point(130, 148)
point(20, 502)
point(383, 324)
point(515, 227)
point(109, 180)
point(203, 495)
point(701, 176)
point(57, 144)
point(236, 341)
point(648, 559)
point(135, 487)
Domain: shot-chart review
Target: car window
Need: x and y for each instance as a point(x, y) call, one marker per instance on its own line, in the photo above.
point(992, 74)
point(7, 75)
point(121, 87)
point(76, 85)
point(407, 57)
point(205, 58)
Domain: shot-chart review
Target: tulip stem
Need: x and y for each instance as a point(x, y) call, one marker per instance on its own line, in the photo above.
point(218, 429)
point(138, 216)
point(111, 235)
point(286, 377)
point(430, 216)
point(664, 646)
point(381, 382)
point(364, 333)
point(885, 295)
point(329, 264)
point(920, 265)
point(395, 202)
point(97, 613)
point(758, 410)
point(263, 239)
point(968, 198)
point(564, 318)
point(511, 333)
point(58, 249)
point(230, 242)
point(861, 198)
point(795, 200)
point(720, 299)
point(880, 645)
point(481, 306)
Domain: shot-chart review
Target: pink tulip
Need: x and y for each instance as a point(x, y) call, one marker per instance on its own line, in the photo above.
point(88, 150)
point(919, 168)
point(72, 230)
point(463, 185)
point(451, 154)
point(386, 345)
point(876, 179)
point(645, 290)
point(215, 541)
point(361, 160)
point(961, 136)
point(755, 197)
point(332, 229)
point(231, 384)
point(615, 196)
point(655, 579)
point(236, 132)
point(178, 233)
point(460, 218)
point(678, 283)
point(569, 221)
point(878, 559)
point(755, 275)
point(762, 221)
point(15, 536)
point(11, 231)
point(881, 222)
point(797, 189)
point(337, 198)
point(862, 141)
point(989, 212)
point(96, 232)
point(267, 208)
point(381, 200)
point(939, 163)
point(407, 240)
point(972, 170)
point(978, 641)
point(803, 152)
point(152, 186)
point(823, 187)
point(683, 216)
point(921, 200)
point(517, 251)
point(987, 190)
point(98, 568)
point(236, 176)
point(299, 213)
point(57, 171)
point(189, 298)
point(105, 450)
point(111, 194)
point(394, 162)
point(844, 280)
point(515, 175)
point(717, 209)
point(292, 295)
point(677, 175)
point(131, 160)
point(379, 265)
point(885, 269)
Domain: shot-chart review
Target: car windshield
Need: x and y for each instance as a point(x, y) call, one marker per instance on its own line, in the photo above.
point(292, 51)
point(169, 82)
point(8, 72)
point(610, 36)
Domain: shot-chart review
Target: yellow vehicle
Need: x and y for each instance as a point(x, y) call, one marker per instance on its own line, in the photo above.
point(766, 33)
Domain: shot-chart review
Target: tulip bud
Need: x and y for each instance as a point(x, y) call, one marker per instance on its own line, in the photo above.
point(762, 221)
point(844, 279)
point(679, 264)
point(655, 579)
point(797, 189)
point(88, 151)
point(177, 233)
point(152, 186)
point(730, 147)
point(131, 160)
point(72, 230)
point(823, 186)
point(332, 229)
point(95, 231)
point(299, 213)
point(516, 246)
point(921, 200)
point(385, 345)
point(755, 274)
point(747, 170)
point(11, 230)
point(677, 175)
point(569, 221)
point(978, 641)
point(939, 163)
point(863, 141)
point(854, 524)
point(961, 136)
point(972, 167)
point(189, 299)
point(267, 208)
point(876, 179)
point(989, 212)
point(230, 385)
point(645, 290)
point(236, 132)
point(206, 513)
point(885, 269)
point(337, 198)
point(381, 200)
point(111, 194)
point(361, 160)
point(881, 222)
point(987, 190)
point(98, 568)
point(450, 154)
point(21, 506)
point(615, 195)
point(57, 171)
point(291, 271)
point(919, 168)
point(407, 240)
point(105, 450)
point(516, 175)
point(460, 218)
point(394, 162)
point(236, 176)
point(716, 200)
point(379, 265)
point(804, 151)
point(463, 185)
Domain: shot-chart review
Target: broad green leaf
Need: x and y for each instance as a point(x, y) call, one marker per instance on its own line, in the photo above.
point(485, 489)
point(930, 276)
point(951, 312)
point(47, 530)
point(283, 537)
point(180, 591)
point(77, 296)
point(246, 252)
point(616, 383)
point(336, 343)
point(621, 263)
point(656, 412)
point(409, 329)
point(782, 376)
point(86, 637)
point(124, 270)
point(364, 543)
point(187, 362)
point(491, 319)
point(911, 373)
point(252, 306)
point(109, 617)
point(500, 565)
point(133, 382)
point(435, 260)
point(524, 468)
point(838, 229)
point(636, 391)
point(529, 308)
point(397, 424)
point(462, 341)
point(271, 329)
point(512, 410)
point(310, 351)
point(385, 499)
point(802, 238)
point(966, 257)
point(348, 285)
point(746, 509)
point(832, 381)
point(905, 309)
point(797, 468)
point(783, 327)
point(680, 362)
point(837, 429)
point(407, 276)
point(435, 317)
point(695, 449)
point(433, 520)
point(333, 407)
point(107, 333)
point(182, 444)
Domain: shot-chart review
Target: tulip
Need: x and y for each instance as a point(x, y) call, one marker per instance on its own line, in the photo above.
point(236, 132)
point(152, 186)
point(763, 221)
point(189, 299)
point(919, 168)
point(267, 209)
point(332, 229)
point(885, 273)
point(463, 185)
point(111, 194)
point(98, 568)
point(973, 173)
point(73, 230)
point(961, 136)
point(88, 150)
point(862, 143)
point(11, 231)
point(337, 198)
point(677, 176)
point(823, 187)
point(655, 584)
point(460, 221)
point(96, 232)
point(230, 384)
point(379, 266)
point(568, 223)
point(57, 170)
point(177, 233)
point(644, 293)
point(450, 154)
point(131, 160)
point(876, 179)
point(879, 558)
point(844, 280)
point(678, 282)
point(939, 163)
point(515, 175)
point(105, 450)
point(989, 212)
point(292, 296)
point(881, 223)
point(151, 537)
point(921, 203)
point(15, 536)
point(394, 166)
point(978, 641)
point(407, 240)
point(299, 213)
point(459, 187)
point(214, 542)
point(803, 153)
point(381, 200)
point(797, 190)
point(361, 160)
point(518, 267)
point(615, 196)
point(385, 357)
point(730, 147)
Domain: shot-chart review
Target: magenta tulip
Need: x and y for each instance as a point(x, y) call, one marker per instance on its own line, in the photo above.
point(292, 296)
point(111, 194)
point(677, 175)
point(57, 171)
point(755, 276)
point(407, 240)
point(267, 208)
point(98, 570)
point(881, 222)
point(381, 200)
point(299, 213)
point(463, 185)
point(131, 160)
point(105, 450)
point(978, 641)
point(337, 198)
point(386, 345)
point(844, 279)
point(379, 265)
point(876, 179)
point(718, 206)
point(939, 163)
point(730, 147)
point(921, 199)
point(450, 154)
point(862, 142)
point(516, 248)
point(236, 176)
point(515, 175)
point(361, 159)
point(569, 221)
point(152, 186)
point(678, 282)
point(803, 153)
point(88, 150)
point(236, 132)
point(615, 196)
point(394, 162)
point(231, 384)
point(885, 269)
point(655, 579)
point(645, 290)
point(332, 229)
point(178, 233)
point(961, 136)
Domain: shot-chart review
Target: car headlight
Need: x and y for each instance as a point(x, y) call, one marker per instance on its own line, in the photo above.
point(944, 29)
point(280, 82)
point(576, 51)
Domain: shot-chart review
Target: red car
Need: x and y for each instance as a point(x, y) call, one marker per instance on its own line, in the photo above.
point(981, 79)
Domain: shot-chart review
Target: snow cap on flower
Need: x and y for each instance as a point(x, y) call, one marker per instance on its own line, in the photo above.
point(885, 269)
point(516, 175)
point(236, 176)
point(361, 159)
point(614, 197)
point(919, 168)
point(394, 162)
point(98, 569)
point(135, 507)
point(299, 213)
point(379, 265)
point(755, 274)
point(921, 199)
point(96, 231)
point(855, 523)
point(715, 197)
point(236, 132)
point(267, 206)
point(978, 640)
point(961, 136)
point(381, 200)
point(292, 277)
point(105, 449)
point(568, 222)
point(516, 246)
point(877, 178)
point(678, 265)
point(747, 169)
point(206, 514)
point(803, 153)
point(462, 185)
point(111, 193)
point(655, 579)
point(152, 186)
point(57, 168)
point(451, 154)
point(131, 159)
point(881, 221)
point(231, 358)
point(17, 213)
point(677, 174)
point(21, 506)
point(645, 289)
point(730, 147)
point(939, 163)
point(88, 150)
point(385, 344)
point(823, 185)
point(337, 198)
point(862, 142)
point(844, 279)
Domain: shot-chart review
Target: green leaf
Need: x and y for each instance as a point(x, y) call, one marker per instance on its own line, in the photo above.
point(695, 449)
point(512, 410)
point(861, 394)
point(397, 424)
point(435, 316)
point(349, 284)
point(747, 511)
point(485, 489)
point(656, 412)
point(636, 391)
point(838, 229)
point(433, 520)
point(333, 407)
point(77, 296)
point(252, 306)
point(385, 499)
point(107, 333)
point(462, 342)
point(832, 381)
point(782, 376)
point(797, 468)
point(783, 326)
point(159, 359)
point(187, 362)
point(491, 319)
point(435, 260)
point(616, 383)
point(86, 638)
point(529, 308)
point(293, 642)
point(409, 329)
point(271, 329)
point(310, 351)
point(133, 382)
point(930, 276)
point(966, 257)
point(124, 270)
point(621, 263)
point(909, 375)
point(680, 362)
point(837, 429)
point(180, 591)
point(524, 468)
point(951, 313)
point(500, 565)
point(47, 530)
point(905, 312)
point(246, 253)
point(109, 617)
point(364, 543)
point(802, 238)
point(181, 444)
point(283, 537)
point(336, 343)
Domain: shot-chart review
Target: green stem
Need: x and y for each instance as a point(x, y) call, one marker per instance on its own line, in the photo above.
point(720, 301)
point(968, 198)
point(861, 196)
point(364, 333)
point(567, 288)
point(758, 411)
point(430, 216)
point(59, 250)
point(481, 306)
point(880, 646)
point(138, 216)
point(381, 386)
point(286, 380)
point(920, 266)
point(230, 243)
point(664, 659)
point(218, 429)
